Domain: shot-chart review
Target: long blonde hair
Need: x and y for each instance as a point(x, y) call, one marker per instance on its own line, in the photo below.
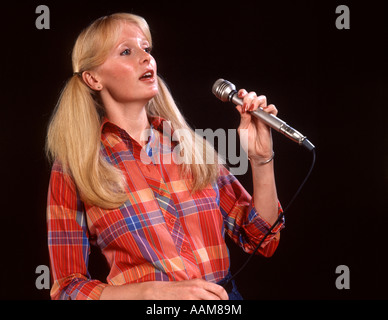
point(74, 137)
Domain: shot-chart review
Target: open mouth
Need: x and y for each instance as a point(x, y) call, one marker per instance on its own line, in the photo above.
point(147, 75)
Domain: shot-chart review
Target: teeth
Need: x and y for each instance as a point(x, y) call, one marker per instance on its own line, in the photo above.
point(147, 75)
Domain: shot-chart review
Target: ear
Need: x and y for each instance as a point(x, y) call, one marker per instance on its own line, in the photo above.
point(92, 80)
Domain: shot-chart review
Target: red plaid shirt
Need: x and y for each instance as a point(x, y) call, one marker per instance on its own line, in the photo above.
point(162, 232)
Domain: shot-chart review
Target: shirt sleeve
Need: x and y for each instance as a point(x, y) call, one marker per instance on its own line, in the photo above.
point(68, 241)
point(243, 222)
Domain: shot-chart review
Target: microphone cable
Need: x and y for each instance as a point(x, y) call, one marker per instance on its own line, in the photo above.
point(279, 219)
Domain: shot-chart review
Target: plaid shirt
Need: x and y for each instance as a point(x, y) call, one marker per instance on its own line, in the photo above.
point(162, 232)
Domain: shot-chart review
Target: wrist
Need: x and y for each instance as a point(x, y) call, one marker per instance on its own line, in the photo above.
point(260, 160)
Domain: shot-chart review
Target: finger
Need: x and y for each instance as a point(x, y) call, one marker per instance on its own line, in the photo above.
point(271, 109)
point(204, 290)
point(245, 118)
point(242, 93)
point(248, 100)
point(256, 102)
point(259, 102)
point(243, 114)
point(223, 294)
point(207, 295)
point(217, 291)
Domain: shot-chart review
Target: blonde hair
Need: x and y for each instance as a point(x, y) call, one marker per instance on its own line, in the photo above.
point(74, 137)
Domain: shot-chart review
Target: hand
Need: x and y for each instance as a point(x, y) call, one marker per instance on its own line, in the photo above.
point(196, 289)
point(258, 144)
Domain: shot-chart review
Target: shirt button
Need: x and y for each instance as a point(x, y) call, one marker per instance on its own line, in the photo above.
point(184, 248)
point(172, 220)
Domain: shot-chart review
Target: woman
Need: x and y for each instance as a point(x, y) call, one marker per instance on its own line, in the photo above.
point(160, 224)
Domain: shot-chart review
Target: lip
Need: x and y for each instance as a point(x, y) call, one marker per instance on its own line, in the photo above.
point(152, 78)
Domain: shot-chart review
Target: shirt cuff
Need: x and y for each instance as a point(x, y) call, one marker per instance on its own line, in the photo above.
point(97, 291)
point(78, 289)
point(257, 226)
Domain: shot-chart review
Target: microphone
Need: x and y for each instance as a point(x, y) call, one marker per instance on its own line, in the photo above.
point(226, 91)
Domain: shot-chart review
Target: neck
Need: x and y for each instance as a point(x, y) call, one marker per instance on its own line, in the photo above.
point(130, 117)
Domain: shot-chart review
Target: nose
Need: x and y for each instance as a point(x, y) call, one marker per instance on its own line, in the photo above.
point(143, 56)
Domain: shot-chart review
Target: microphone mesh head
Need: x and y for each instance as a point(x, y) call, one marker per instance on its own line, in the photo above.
point(222, 89)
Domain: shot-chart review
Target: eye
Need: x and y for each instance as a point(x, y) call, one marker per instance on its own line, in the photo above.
point(148, 50)
point(126, 52)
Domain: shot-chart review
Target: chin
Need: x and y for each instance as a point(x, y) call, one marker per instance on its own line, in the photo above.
point(153, 92)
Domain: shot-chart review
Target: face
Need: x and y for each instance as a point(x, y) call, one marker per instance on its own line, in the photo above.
point(129, 73)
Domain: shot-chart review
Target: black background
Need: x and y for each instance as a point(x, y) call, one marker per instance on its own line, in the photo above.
point(330, 84)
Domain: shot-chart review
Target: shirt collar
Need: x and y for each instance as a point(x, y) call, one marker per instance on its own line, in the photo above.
point(158, 123)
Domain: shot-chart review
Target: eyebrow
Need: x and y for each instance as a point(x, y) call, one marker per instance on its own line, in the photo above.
point(126, 41)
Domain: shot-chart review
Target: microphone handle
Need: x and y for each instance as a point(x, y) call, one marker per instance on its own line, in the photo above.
point(275, 123)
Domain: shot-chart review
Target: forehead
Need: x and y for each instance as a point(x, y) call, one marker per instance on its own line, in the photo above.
point(130, 31)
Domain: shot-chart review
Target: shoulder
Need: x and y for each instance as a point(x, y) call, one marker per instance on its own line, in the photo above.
point(61, 182)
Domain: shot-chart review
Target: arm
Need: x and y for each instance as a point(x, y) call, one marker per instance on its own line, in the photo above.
point(69, 250)
point(256, 140)
point(264, 191)
point(248, 220)
point(196, 289)
point(68, 241)
point(243, 221)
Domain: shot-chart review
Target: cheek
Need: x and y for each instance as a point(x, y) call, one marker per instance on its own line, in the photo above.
point(118, 77)
point(117, 81)
point(114, 73)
